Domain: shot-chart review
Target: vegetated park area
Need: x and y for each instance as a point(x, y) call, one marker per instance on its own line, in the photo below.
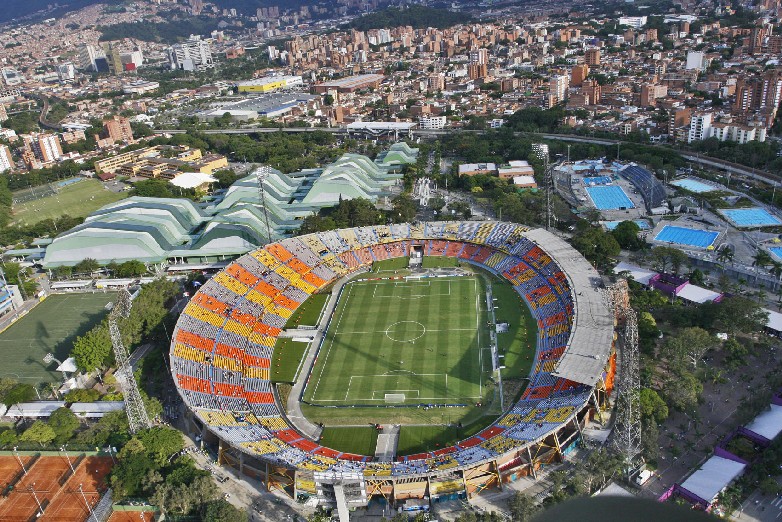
point(389, 347)
point(75, 200)
point(50, 327)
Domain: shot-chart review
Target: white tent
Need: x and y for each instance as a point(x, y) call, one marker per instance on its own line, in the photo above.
point(767, 424)
point(697, 294)
point(716, 474)
point(640, 275)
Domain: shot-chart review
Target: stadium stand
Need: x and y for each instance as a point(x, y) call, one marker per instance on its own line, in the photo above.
point(223, 341)
point(652, 191)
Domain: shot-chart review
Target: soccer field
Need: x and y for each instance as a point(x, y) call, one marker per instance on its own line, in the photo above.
point(76, 200)
point(51, 326)
point(404, 341)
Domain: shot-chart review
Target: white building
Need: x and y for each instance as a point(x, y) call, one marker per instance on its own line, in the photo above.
point(6, 161)
point(66, 72)
point(192, 55)
point(636, 22)
point(699, 127)
point(558, 86)
point(88, 56)
point(139, 87)
point(432, 122)
point(695, 60)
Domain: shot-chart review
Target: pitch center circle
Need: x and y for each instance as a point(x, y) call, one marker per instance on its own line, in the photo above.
point(405, 331)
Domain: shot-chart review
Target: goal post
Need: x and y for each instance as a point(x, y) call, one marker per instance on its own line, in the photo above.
point(394, 397)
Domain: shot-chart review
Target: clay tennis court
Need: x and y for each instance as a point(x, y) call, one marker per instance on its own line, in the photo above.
point(61, 503)
point(9, 469)
point(132, 516)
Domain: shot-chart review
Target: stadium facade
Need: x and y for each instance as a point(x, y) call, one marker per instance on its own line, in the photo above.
point(166, 231)
point(223, 343)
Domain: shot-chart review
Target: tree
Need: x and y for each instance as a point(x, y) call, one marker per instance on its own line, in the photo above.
point(696, 341)
point(161, 442)
point(436, 203)
point(222, 511)
point(39, 432)
point(93, 349)
point(724, 254)
point(735, 314)
point(522, 507)
point(696, 277)
point(596, 245)
point(682, 390)
point(652, 405)
point(86, 266)
point(153, 188)
point(82, 395)
point(404, 208)
point(666, 259)
point(626, 234)
point(761, 259)
point(19, 393)
point(128, 476)
point(131, 268)
point(650, 435)
point(64, 423)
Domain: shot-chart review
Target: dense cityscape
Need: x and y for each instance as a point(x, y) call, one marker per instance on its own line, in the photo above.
point(336, 260)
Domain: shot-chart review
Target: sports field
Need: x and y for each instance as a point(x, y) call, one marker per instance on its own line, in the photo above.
point(51, 326)
point(404, 341)
point(75, 200)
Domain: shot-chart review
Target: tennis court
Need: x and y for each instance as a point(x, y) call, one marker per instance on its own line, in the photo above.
point(642, 224)
point(751, 217)
point(693, 185)
point(610, 197)
point(597, 180)
point(686, 236)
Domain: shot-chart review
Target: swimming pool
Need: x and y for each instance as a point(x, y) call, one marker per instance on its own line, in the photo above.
point(777, 251)
point(751, 217)
point(693, 185)
point(642, 224)
point(597, 180)
point(686, 236)
point(611, 197)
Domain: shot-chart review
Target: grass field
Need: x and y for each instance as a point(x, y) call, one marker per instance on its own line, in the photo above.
point(309, 312)
point(52, 326)
point(404, 342)
point(286, 358)
point(76, 200)
point(360, 440)
point(518, 343)
point(397, 263)
point(439, 262)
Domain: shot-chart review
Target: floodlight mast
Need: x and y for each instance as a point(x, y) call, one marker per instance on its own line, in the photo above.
point(626, 436)
point(134, 405)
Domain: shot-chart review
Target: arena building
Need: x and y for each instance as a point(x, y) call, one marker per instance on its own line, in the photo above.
point(168, 231)
point(222, 348)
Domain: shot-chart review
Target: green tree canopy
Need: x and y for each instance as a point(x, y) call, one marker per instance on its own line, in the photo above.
point(64, 423)
point(652, 405)
point(93, 349)
point(19, 393)
point(39, 432)
point(222, 511)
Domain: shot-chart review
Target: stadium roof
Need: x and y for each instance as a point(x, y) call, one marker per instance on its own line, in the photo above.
point(589, 345)
point(715, 475)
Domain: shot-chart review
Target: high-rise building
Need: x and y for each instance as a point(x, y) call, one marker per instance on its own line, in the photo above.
point(578, 74)
point(113, 58)
point(192, 55)
point(3, 113)
point(700, 126)
point(118, 129)
point(592, 57)
point(6, 161)
point(593, 91)
point(479, 56)
point(758, 93)
point(89, 56)
point(558, 86)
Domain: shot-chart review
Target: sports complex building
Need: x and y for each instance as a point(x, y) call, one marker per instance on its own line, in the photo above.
point(168, 231)
point(222, 349)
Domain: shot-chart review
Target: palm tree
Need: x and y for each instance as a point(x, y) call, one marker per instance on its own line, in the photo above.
point(724, 254)
point(776, 270)
point(761, 259)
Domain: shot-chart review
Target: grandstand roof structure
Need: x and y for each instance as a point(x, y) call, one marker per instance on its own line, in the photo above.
point(588, 349)
point(154, 230)
point(222, 345)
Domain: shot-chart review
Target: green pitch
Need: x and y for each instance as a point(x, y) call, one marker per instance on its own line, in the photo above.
point(51, 326)
point(404, 342)
point(76, 200)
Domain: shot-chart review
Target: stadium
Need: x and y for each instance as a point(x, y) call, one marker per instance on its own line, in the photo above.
point(223, 344)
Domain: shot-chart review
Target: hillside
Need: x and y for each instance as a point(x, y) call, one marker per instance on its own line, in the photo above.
point(416, 16)
point(16, 9)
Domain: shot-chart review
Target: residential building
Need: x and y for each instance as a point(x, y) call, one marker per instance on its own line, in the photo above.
point(699, 127)
point(636, 22)
point(194, 54)
point(592, 57)
point(6, 160)
point(558, 86)
point(695, 61)
point(118, 129)
point(45, 147)
point(578, 74)
point(432, 122)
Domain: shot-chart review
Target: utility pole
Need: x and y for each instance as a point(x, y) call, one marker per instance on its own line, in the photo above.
point(261, 174)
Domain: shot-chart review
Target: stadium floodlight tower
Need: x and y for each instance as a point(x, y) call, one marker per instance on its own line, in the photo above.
point(541, 152)
point(626, 437)
point(134, 405)
point(261, 174)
